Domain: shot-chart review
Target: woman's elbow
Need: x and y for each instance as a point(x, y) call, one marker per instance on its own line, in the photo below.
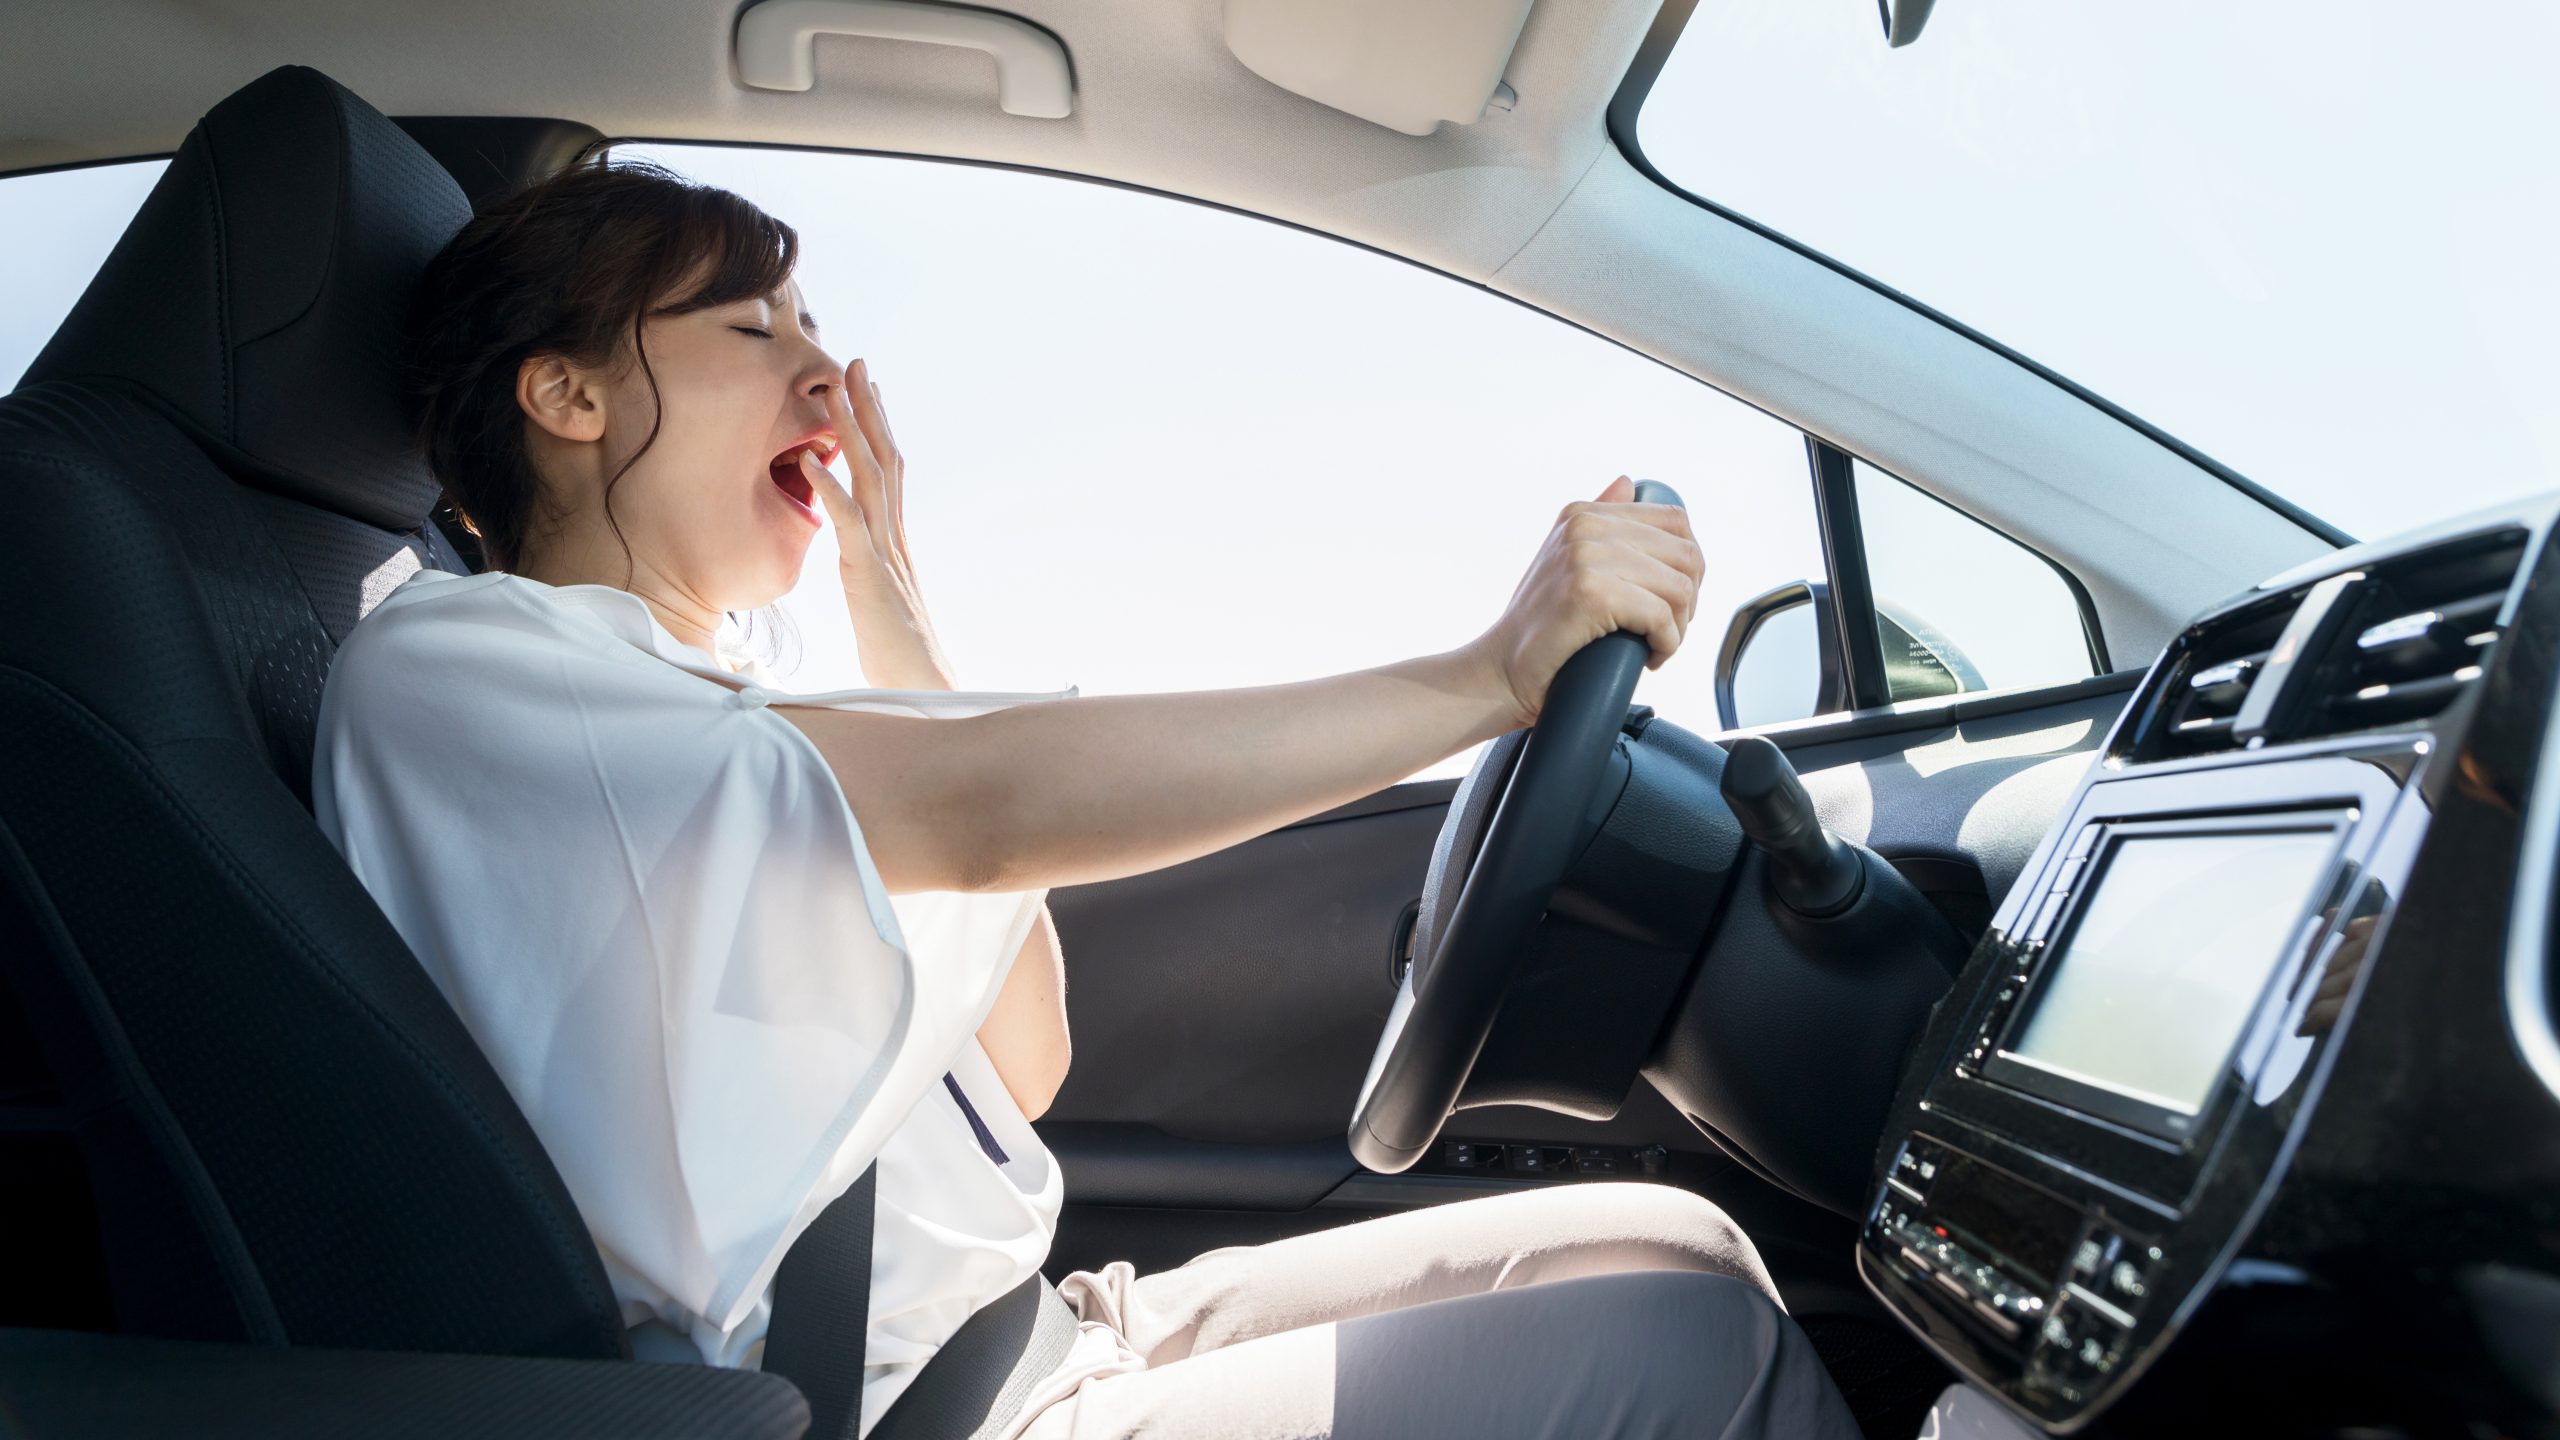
point(1037, 1092)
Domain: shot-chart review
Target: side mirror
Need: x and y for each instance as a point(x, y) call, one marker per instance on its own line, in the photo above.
point(1781, 658)
point(1919, 662)
point(1903, 19)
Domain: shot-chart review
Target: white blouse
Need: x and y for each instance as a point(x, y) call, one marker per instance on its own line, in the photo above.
point(647, 898)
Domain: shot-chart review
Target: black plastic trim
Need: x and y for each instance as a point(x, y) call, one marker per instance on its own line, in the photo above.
point(1628, 102)
point(1844, 558)
point(1920, 715)
point(97, 164)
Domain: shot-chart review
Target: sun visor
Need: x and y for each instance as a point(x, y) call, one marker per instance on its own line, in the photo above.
point(1406, 64)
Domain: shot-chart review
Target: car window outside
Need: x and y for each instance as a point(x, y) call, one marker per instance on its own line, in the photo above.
point(1159, 446)
point(55, 230)
point(2310, 239)
point(1961, 607)
point(1153, 445)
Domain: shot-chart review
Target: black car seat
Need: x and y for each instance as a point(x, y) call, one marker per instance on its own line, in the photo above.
point(205, 481)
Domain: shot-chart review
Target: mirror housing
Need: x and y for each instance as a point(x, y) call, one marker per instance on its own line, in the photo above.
point(1920, 662)
point(1831, 687)
point(1903, 19)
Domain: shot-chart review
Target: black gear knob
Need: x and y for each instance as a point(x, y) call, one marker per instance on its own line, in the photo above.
point(1813, 872)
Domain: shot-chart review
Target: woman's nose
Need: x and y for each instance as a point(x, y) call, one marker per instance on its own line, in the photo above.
point(821, 378)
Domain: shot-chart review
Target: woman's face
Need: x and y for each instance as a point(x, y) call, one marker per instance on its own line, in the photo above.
point(717, 507)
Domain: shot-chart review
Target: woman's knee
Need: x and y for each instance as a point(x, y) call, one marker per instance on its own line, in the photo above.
point(1658, 1227)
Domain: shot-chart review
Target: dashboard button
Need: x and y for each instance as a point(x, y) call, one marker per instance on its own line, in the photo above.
point(2129, 1277)
point(2007, 1326)
point(2089, 1260)
point(2075, 1349)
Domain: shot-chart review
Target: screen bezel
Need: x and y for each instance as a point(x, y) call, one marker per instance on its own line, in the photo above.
point(2007, 1068)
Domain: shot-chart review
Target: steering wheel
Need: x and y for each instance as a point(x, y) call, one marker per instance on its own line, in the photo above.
point(1519, 820)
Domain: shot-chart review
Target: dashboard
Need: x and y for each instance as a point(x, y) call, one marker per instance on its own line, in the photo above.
point(2234, 1115)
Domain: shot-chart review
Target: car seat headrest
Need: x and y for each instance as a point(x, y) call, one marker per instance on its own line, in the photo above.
point(260, 295)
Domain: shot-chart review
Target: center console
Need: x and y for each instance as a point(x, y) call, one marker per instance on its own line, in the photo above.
point(2104, 1103)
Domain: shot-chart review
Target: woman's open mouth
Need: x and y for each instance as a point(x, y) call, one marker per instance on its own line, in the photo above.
point(792, 481)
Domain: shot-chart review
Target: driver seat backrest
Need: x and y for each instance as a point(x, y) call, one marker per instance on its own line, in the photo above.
point(205, 480)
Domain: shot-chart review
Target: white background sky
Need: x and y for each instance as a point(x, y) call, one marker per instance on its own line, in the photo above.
point(2312, 238)
point(1156, 446)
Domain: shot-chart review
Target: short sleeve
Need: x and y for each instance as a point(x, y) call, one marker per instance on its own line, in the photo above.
point(648, 900)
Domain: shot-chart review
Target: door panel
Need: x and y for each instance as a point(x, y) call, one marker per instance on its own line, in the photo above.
point(1237, 997)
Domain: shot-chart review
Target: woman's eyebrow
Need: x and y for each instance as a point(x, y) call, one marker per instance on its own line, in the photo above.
point(809, 322)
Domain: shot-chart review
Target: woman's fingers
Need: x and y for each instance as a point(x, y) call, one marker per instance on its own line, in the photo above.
point(1618, 537)
point(869, 482)
point(862, 398)
point(1662, 605)
point(895, 463)
point(853, 528)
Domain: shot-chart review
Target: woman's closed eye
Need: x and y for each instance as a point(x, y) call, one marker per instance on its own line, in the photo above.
point(756, 331)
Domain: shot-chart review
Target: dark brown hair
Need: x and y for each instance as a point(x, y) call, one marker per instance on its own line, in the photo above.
point(568, 266)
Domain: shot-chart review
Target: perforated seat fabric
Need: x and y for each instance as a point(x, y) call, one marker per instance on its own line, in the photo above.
point(205, 481)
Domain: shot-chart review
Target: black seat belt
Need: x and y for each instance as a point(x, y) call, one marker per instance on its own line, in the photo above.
point(980, 1378)
point(822, 1310)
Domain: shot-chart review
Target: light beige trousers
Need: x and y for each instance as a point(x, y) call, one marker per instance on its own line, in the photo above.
point(1594, 1309)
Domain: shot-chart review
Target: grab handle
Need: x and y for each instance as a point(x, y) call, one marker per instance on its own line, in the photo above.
point(778, 40)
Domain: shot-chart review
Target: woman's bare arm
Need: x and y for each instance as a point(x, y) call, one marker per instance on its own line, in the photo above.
point(1072, 791)
point(1068, 792)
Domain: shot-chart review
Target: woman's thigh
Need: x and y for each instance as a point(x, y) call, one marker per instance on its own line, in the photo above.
point(1628, 1357)
point(1442, 1252)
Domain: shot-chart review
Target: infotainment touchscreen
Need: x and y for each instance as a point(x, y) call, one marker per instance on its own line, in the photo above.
point(2172, 949)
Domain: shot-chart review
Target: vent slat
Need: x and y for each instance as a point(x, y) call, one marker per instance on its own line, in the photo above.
point(2418, 632)
point(2422, 635)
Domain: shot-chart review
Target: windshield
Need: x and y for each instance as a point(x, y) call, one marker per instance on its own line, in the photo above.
point(2311, 241)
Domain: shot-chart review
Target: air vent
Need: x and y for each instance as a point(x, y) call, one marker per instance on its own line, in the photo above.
point(2419, 635)
point(2393, 643)
point(2202, 690)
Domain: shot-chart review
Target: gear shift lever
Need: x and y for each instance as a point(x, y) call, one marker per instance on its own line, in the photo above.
point(1813, 872)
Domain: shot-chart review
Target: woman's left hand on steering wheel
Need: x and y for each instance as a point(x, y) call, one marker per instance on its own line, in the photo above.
point(891, 630)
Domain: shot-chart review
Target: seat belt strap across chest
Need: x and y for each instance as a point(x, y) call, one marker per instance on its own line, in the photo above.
point(816, 1337)
point(821, 1318)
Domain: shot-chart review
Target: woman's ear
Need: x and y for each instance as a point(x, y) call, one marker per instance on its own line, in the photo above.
point(561, 398)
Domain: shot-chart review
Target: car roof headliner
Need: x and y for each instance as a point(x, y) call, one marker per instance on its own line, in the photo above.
point(1159, 100)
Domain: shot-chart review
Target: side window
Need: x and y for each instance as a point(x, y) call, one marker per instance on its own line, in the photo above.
point(1154, 445)
point(55, 230)
point(1961, 607)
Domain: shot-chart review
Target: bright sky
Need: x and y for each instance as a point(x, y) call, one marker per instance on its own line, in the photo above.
point(2311, 239)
